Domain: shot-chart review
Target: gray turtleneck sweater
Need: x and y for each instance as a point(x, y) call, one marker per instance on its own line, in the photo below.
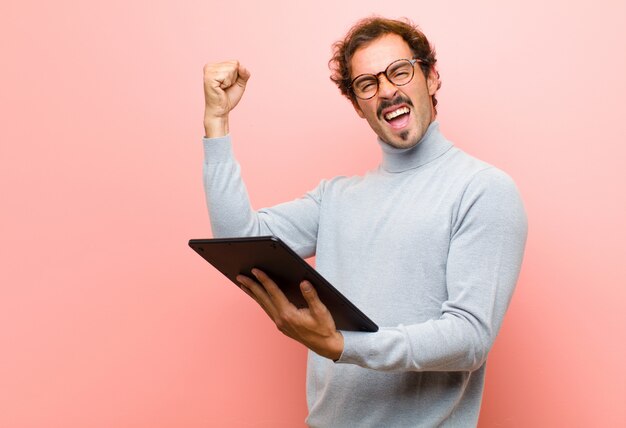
point(428, 245)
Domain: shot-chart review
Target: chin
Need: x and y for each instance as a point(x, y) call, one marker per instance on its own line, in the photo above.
point(401, 144)
point(404, 140)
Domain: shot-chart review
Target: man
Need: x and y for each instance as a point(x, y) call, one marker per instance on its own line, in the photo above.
point(429, 244)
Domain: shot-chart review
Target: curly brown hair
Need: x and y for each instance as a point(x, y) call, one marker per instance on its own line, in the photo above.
point(368, 30)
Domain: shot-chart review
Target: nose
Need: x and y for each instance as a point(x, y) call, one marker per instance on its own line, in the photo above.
point(386, 89)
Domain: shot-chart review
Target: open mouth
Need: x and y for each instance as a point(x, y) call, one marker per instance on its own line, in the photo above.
point(398, 118)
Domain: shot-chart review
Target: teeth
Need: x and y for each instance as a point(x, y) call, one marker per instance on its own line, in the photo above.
point(396, 113)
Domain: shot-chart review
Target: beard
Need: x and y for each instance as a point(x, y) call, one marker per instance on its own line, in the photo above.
point(405, 135)
point(406, 142)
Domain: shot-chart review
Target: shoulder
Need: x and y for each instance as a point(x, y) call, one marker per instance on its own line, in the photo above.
point(483, 188)
point(478, 174)
point(491, 197)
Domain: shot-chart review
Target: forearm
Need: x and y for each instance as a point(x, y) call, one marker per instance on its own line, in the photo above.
point(459, 340)
point(437, 345)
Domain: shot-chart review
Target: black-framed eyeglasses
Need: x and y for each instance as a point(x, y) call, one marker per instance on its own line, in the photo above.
point(399, 72)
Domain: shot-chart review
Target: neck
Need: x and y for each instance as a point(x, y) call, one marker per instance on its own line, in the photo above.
point(432, 145)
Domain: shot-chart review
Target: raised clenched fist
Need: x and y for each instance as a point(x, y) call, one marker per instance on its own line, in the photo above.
point(224, 85)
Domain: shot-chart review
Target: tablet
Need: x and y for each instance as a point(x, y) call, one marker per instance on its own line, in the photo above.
point(234, 256)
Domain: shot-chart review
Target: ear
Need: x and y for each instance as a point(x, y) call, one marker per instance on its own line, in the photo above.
point(433, 81)
point(358, 110)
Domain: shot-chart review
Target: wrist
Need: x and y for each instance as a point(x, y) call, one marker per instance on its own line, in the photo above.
point(215, 126)
point(337, 348)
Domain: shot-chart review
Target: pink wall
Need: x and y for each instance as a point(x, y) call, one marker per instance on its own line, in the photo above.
point(108, 319)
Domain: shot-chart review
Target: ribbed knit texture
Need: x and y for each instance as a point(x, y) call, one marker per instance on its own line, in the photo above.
point(428, 245)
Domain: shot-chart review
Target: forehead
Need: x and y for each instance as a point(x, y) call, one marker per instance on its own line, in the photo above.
point(378, 54)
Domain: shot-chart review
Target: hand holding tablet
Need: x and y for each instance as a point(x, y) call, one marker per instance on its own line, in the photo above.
point(238, 256)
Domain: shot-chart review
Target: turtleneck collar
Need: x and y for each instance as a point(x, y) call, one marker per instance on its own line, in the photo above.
point(432, 145)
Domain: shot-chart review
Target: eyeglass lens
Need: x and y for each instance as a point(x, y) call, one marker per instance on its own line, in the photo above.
point(399, 73)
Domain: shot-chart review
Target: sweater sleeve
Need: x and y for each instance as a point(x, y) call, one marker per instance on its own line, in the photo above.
point(483, 264)
point(231, 214)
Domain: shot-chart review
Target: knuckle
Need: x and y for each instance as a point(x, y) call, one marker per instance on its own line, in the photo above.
point(208, 69)
point(280, 324)
point(288, 318)
point(284, 320)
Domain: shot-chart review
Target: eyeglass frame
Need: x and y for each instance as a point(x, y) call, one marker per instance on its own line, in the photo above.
point(413, 61)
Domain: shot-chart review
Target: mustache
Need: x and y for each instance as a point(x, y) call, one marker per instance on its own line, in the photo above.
point(390, 103)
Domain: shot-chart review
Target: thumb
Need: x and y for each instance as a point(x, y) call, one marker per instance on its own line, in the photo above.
point(242, 75)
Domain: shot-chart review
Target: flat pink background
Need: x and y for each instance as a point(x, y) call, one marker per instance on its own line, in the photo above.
point(107, 319)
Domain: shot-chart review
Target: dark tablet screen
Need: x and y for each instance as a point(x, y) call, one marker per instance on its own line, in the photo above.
point(234, 256)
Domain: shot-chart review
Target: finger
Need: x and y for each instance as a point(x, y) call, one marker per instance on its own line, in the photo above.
point(226, 78)
point(235, 74)
point(252, 286)
point(258, 293)
point(312, 299)
point(221, 75)
point(243, 281)
point(275, 293)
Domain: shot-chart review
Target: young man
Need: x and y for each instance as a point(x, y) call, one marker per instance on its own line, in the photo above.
point(429, 245)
